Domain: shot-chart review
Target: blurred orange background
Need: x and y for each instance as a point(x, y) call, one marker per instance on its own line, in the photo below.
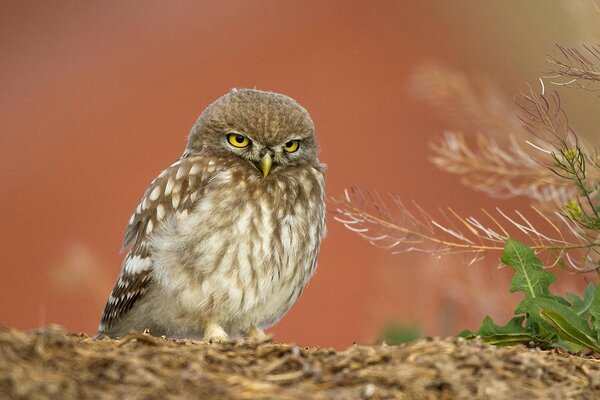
point(96, 98)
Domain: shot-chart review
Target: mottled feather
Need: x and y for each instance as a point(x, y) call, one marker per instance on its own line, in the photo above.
point(218, 244)
point(184, 179)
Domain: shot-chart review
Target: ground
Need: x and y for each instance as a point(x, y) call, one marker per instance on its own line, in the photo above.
point(51, 363)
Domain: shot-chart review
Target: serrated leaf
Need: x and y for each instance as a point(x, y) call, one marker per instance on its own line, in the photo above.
point(510, 334)
point(545, 318)
point(467, 334)
point(568, 325)
point(595, 312)
point(582, 306)
point(569, 332)
point(530, 277)
point(566, 345)
point(543, 331)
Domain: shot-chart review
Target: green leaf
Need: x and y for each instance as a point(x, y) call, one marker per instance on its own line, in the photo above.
point(542, 317)
point(595, 312)
point(567, 324)
point(582, 306)
point(569, 331)
point(510, 334)
point(467, 334)
point(543, 331)
point(566, 345)
point(530, 277)
point(400, 333)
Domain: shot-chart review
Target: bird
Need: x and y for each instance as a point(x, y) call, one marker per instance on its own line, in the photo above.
point(225, 239)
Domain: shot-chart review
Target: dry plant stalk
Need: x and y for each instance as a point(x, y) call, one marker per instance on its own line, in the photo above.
point(542, 159)
point(501, 160)
point(577, 68)
point(466, 103)
point(411, 228)
point(500, 172)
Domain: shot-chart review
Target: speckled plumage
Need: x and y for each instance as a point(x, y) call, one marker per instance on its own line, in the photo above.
point(218, 247)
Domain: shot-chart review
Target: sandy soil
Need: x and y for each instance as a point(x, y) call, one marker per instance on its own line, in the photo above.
point(51, 363)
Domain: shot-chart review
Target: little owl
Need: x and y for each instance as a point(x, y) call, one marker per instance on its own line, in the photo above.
point(225, 239)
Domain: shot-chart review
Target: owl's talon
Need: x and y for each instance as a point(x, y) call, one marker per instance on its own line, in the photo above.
point(213, 333)
point(218, 339)
point(257, 334)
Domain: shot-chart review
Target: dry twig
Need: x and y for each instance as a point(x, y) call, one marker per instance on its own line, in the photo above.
point(414, 229)
point(575, 67)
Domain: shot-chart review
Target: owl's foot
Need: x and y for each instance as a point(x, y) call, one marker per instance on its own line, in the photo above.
point(215, 334)
point(257, 334)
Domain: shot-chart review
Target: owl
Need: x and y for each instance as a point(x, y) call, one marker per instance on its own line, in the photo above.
point(225, 239)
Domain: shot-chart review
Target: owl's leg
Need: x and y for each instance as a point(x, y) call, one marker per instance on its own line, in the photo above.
point(214, 333)
point(256, 333)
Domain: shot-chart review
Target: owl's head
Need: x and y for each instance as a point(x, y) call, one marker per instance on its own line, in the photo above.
point(271, 131)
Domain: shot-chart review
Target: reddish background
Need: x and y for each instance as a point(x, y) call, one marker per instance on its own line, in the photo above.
point(97, 97)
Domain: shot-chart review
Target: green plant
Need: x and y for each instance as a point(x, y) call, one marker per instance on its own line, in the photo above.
point(394, 333)
point(542, 317)
point(541, 158)
point(546, 319)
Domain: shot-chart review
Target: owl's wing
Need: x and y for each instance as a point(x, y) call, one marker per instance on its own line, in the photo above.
point(176, 189)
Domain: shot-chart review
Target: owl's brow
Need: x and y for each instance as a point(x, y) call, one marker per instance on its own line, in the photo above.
point(230, 131)
point(300, 118)
point(298, 138)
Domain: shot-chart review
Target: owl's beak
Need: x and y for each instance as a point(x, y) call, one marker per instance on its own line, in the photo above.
point(265, 164)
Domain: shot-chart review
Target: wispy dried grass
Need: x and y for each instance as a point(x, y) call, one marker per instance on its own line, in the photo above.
point(411, 228)
point(51, 364)
point(80, 272)
point(467, 104)
point(500, 171)
point(575, 67)
point(505, 152)
point(523, 148)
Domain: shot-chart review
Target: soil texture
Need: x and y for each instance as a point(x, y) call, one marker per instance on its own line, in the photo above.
point(50, 363)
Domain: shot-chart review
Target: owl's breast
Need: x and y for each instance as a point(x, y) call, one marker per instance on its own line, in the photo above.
point(247, 248)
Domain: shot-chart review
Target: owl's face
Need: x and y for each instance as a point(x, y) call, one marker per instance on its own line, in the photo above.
point(268, 131)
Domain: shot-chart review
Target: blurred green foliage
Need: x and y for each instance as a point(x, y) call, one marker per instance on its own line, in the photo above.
point(397, 333)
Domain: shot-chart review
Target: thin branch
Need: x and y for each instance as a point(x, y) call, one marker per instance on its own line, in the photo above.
point(573, 67)
point(404, 230)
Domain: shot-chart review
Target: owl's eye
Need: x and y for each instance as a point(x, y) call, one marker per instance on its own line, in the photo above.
point(238, 140)
point(291, 146)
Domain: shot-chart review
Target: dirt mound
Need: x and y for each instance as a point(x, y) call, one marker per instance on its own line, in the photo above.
point(51, 363)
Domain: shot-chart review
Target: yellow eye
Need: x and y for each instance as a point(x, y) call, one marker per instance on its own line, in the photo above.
point(291, 146)
point(238, 140)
